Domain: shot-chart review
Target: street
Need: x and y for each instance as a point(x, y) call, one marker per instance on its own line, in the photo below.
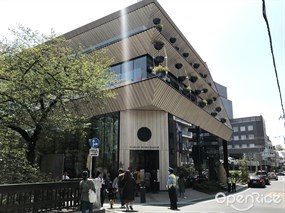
point(269, 199)
point(261, 200)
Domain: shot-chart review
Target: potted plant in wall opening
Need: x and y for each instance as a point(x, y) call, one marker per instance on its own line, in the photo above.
point(202, 103)
point(158, 45)
point(186, 90)
point(158, 27)
point(160, 70)
point(218, 109)
point(193, 78)
point(209, 101)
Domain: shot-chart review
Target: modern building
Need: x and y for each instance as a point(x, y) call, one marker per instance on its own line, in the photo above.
point(150, 122)
point(222, 90)
point(249, 138)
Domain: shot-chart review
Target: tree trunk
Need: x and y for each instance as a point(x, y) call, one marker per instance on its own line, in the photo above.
point(30, 140)
point(31, 152)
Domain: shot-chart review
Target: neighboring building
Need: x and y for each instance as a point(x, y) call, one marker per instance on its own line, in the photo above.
point(150, 123)
point(249, 138)
point(222, 90)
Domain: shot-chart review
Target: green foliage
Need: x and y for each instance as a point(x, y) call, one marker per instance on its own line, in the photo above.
point(185, 171)
point(14, 165)
point(208, 187)
point(235, 173)
point(279, 147)
point(43, 83)
point(243, 169)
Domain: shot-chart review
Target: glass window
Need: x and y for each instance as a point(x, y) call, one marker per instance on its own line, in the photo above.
point(242, 128)
point(140, 71)
point(250, 128)
point(244, 146)
point(236, 138)
point(235, 129)
point(131, 71)
point(127, 71)
point(117, 70)
point(229, 146)
point(251, 145)
point(236, 145)
point(251, 136)
point(243, 137)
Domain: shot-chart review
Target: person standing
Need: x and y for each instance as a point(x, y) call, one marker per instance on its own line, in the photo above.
point(129, 190)
point(121, 186)
point(105, 184)
point(137, 176)
point(111, 193)
point(234, 180)
point(147, 177)
point(65, 175)
point(171, 185)
point(229, 180)
point(181, 186)
point(98, 186)
point(84, 186)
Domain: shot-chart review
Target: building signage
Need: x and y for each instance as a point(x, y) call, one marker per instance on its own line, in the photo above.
point(144, 147)
point(94, 152)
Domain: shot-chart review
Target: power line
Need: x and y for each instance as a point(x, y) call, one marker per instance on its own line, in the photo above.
point(273, 58)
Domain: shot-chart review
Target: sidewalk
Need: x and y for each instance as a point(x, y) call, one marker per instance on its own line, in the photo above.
point(161, 199)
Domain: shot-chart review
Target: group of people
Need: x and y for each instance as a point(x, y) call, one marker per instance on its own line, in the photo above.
point(124, 185)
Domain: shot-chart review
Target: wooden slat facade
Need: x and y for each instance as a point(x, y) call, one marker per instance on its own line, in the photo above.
point(148, 102)
point(155, 94)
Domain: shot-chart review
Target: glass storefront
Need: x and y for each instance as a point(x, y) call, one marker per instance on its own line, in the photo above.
point(106, 129)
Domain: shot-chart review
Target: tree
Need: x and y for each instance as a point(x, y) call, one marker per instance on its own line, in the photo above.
point(243, 167)
point(279, 147)
point(39, 75)
point(14, 165)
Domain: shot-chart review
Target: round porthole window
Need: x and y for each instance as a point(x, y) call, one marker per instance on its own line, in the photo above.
point(144, 134)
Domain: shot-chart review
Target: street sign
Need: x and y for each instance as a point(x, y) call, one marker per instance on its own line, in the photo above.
point(94, 152)
point(94, 142)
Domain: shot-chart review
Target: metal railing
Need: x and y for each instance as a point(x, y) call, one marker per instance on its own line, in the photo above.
point(39, 197)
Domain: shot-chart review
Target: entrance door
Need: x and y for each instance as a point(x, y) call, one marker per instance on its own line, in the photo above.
point(149, 161)
point(144, 159)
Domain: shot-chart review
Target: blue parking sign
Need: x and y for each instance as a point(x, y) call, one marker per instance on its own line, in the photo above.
point(94, 142)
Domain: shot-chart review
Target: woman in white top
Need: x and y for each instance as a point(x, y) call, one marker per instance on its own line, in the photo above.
point(98, 185)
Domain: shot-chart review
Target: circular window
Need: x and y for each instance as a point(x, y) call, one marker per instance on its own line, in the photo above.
point(144, 134)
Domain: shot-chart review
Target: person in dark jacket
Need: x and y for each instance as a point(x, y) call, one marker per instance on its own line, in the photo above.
point(111, 193)
point(121, 186)
point(129, 190)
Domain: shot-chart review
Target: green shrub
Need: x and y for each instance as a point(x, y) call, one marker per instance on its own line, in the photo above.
point(208, 187)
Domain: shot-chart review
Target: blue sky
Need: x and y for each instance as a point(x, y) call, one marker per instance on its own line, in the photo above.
point(229, 35)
